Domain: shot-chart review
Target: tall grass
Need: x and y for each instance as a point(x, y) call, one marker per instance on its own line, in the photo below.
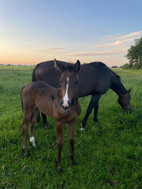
point(109, 154)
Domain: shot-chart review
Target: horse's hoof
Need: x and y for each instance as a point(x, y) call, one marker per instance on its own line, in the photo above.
point(60, 170)
point(82, 129)
point(96, 120)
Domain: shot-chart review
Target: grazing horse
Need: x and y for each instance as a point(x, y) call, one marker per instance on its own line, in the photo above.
point(93, 79)
point(59, 103)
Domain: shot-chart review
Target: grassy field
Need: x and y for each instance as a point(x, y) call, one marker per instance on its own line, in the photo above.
point(109, 154)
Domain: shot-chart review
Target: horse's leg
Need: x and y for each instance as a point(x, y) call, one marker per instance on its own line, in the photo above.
point(88, 112)
point(32, 123)
point(59, 132)
point(44, 118)
point(71, 129)
point(97, 98)
point(89, 109)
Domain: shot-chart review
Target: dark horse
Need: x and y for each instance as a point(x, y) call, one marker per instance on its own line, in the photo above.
point(94, 79)
point(59, 103)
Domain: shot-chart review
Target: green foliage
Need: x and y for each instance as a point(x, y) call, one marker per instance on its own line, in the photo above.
point(109, 154)
point(134, 55)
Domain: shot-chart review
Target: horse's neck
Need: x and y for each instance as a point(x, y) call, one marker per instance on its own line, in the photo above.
point(118, 87)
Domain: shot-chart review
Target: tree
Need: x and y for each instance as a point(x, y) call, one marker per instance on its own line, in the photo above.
point(134, 54)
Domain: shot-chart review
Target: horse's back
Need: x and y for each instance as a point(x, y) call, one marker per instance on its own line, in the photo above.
point(45, 71)
point(94, 77)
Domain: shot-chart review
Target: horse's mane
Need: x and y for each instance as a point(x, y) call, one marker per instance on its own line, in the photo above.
point(101, 65)
point(117, 75)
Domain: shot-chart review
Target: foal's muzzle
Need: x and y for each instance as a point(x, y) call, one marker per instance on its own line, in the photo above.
point(66, 105)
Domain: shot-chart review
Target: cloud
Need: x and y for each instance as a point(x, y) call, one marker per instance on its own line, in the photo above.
point(130, 36)
point(117, 36)
point(95, 53)
point(118, 41)
point(115, 43)
point(112, 45)
point(111, 36)
point(51, 50)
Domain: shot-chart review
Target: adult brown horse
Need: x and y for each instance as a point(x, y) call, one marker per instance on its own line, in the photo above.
point(59, 103)
point(94, 79)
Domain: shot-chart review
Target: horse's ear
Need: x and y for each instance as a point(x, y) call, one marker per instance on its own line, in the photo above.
point(59, 66)
point(129, 90)
point(77, 66)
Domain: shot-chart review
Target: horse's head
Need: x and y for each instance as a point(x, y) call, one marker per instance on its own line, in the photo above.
point(68, 83)
point(124, 100)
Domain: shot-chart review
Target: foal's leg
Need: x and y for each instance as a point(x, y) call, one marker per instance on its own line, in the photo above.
point(24, 132)
point(28, 109)
point(71, 129)
point(25, 124)
point(32, 123)
point(59, 132)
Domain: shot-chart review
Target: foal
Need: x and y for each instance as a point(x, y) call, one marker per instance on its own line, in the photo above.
point(59, 103)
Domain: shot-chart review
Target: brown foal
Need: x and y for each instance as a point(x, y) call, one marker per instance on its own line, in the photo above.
point(59, 103)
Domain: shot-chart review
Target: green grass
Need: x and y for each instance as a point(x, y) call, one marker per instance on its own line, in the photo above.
point(109, 154)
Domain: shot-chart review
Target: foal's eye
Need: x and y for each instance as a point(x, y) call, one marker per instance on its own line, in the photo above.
point(60, 83)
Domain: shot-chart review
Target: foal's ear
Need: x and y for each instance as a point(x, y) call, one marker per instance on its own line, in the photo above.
point(77, 66)
point(59, 66)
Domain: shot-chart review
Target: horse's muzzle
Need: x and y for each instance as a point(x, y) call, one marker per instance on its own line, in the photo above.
point(128, 110)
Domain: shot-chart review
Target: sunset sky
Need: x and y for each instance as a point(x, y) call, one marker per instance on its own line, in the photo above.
point(32, 31)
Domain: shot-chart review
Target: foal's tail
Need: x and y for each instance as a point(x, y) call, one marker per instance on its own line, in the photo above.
point(21, 97)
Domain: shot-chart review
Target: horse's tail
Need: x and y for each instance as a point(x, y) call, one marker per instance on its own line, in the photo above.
point(33, 74)
point(22, 98)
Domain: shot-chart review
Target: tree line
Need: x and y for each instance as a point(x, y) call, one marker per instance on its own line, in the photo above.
point(134, 56)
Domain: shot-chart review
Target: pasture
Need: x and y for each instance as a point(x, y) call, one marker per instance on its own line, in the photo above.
point(109, 154)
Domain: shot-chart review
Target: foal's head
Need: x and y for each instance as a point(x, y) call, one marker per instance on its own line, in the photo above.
point(68, 83)
point(124, 100)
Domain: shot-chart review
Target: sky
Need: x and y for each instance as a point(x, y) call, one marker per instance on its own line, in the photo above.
point(33, 31)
